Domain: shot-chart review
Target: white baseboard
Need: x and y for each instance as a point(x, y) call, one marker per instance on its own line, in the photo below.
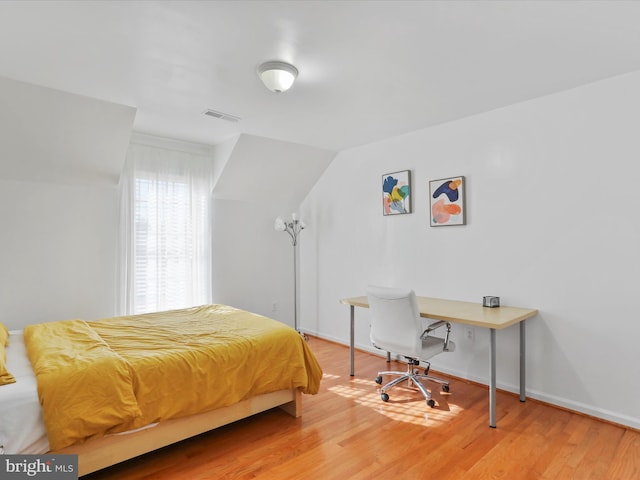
point(554, 400)
point(568, 404)
point(590, 410)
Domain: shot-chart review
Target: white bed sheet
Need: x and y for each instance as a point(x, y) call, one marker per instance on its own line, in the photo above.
point(22, 427)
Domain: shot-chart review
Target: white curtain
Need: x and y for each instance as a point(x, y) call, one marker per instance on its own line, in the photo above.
point(166, 230)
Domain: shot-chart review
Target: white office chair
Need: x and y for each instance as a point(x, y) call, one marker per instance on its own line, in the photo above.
point(396, 326)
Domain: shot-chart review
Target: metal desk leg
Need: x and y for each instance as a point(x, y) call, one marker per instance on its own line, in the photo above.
point(492, 380)
point(351, 341)
point(523, 395)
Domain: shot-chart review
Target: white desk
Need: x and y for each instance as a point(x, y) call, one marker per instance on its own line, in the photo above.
point(470, 314)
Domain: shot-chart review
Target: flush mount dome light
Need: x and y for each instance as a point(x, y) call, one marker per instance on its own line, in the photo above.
point(277, 76)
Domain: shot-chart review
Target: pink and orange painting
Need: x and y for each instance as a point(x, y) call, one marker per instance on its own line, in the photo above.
point(447, 201)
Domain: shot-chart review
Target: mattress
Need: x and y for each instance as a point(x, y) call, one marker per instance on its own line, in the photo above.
point(22, 427)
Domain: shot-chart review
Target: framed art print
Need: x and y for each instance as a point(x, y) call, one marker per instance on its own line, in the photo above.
point(396, 193)
point(446, 197)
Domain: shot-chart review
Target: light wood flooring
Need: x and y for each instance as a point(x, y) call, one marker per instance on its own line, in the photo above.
point(346, 432)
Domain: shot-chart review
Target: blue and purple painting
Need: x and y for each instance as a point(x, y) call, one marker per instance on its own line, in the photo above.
point(396, 191)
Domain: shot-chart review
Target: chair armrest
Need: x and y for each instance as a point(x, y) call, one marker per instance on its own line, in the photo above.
point(435, 325)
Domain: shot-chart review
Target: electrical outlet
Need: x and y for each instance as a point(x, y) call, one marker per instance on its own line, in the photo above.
point(469, 333)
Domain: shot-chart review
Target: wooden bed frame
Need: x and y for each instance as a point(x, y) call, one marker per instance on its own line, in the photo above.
point(103, 452)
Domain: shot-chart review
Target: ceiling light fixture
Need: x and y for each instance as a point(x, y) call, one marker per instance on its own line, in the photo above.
point(277, 76)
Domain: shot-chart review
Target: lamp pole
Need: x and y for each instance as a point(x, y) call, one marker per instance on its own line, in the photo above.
point(293, 227)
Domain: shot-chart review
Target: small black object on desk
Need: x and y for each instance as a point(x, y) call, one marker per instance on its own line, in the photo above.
point(491, 302)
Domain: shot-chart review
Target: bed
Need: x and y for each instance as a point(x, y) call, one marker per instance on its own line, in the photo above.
point(112, 389)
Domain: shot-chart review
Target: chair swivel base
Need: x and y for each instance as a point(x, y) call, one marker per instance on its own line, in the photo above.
point(413, 378)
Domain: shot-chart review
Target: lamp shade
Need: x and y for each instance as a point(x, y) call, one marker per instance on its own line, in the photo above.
point(277, 76)
point(279, 225)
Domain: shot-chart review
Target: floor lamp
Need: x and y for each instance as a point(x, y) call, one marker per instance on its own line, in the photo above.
point(293, 227)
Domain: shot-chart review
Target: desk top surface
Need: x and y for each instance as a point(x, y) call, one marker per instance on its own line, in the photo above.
point(462, 312)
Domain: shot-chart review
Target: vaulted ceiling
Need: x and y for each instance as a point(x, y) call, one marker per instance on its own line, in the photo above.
point(368, 69)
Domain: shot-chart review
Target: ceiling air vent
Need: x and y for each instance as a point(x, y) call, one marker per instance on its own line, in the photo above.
point(221, 116)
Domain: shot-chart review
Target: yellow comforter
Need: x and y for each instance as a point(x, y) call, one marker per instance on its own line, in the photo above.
point(123, 373)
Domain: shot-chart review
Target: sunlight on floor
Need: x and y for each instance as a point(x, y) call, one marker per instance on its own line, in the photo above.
point(405, 405)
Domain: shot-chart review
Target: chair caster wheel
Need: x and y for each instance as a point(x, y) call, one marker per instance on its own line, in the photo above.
point(445, 388)
point(379, 380)
point(384, 397)
point(431, 402)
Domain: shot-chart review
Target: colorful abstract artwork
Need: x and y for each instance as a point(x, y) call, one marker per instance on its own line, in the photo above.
point(396, 193)
point(447, 201)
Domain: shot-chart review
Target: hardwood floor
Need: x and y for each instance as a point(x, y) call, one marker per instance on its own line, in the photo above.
point(347, 432)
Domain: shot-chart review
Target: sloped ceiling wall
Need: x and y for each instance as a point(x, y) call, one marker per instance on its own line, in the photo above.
point(259, 179)
point(260, 169)
point(52, 136)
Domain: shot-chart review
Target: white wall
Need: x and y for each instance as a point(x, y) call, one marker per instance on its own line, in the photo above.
point(552, 224)
point(260, 180)
point(60, 242)
point(252, 263)
point(59, 247)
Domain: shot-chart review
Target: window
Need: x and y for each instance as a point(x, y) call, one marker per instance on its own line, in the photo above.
point(168, 243)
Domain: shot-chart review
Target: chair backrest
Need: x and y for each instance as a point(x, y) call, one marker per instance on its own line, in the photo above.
point(396, 325)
